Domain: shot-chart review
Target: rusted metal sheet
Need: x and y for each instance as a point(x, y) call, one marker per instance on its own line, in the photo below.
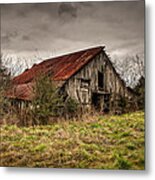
point(21, 92)
point(61, 68)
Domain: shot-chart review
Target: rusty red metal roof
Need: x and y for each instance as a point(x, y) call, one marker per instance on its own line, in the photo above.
point(22, 92)
point(61, 68)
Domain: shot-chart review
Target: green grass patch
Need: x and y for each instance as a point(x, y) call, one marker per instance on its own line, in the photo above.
point(106, 142)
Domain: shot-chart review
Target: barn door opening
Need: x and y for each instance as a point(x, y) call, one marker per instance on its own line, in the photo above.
point(97, 101)
point(101, 102)
point(106, 107)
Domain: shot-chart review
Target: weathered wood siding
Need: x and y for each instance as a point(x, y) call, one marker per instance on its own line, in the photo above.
point(85, 82)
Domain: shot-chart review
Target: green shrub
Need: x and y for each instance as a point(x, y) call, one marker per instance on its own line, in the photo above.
point(71, 107)
point(47, 100)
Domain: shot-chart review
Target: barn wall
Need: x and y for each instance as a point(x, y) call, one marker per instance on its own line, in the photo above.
point(85, 82)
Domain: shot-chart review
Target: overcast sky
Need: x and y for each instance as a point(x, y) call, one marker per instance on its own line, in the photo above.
point(52, 29)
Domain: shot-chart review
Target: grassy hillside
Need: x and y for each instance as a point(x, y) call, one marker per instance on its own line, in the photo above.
point(107, 142)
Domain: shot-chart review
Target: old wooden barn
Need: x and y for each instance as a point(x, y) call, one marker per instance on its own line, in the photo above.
point(87, 76)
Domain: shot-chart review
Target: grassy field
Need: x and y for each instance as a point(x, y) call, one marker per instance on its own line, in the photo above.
point(106, 142)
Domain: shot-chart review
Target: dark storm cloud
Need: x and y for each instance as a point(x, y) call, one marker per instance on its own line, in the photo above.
point(68, 8)
point(26, 38)
point(7, 37)
point(63, 27)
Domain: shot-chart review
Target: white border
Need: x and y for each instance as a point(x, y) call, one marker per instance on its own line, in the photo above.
point(32, 1)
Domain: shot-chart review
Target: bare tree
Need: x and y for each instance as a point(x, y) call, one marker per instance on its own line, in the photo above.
point(131, 69)
point(4, 83)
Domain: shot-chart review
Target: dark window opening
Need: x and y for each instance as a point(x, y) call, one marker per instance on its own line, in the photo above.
point(85, 83)
point(100, 80)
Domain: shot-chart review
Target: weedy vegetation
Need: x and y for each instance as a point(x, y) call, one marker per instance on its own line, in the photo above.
point(104, 142)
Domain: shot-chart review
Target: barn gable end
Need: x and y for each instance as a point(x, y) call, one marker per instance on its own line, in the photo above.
point(97, 84)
